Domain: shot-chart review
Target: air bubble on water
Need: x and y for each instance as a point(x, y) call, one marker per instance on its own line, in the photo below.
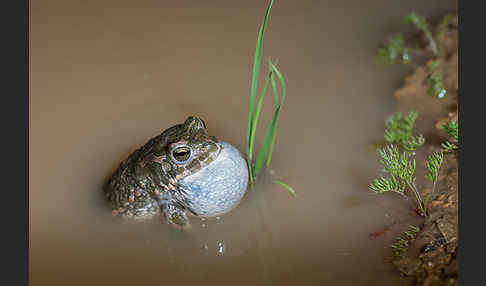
point(221, 248)
point(442, 93)
point(271, 172)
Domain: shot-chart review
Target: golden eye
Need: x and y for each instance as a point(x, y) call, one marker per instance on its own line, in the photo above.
point(181, 154)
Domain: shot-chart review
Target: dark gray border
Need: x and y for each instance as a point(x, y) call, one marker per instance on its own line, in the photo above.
point(15, 148)
point(471, 182)
point(460, 35)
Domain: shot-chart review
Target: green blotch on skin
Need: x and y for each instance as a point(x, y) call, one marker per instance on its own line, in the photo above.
point(203, 157)
point(194, 165)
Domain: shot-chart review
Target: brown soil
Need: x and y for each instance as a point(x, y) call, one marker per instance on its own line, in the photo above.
point(432, 256)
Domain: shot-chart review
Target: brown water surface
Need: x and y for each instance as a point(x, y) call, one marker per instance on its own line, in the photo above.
point(108, 75)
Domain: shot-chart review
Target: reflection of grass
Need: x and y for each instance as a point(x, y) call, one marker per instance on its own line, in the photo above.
point(264, 155)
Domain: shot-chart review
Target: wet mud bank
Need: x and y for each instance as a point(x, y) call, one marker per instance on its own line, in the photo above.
point(432, 257)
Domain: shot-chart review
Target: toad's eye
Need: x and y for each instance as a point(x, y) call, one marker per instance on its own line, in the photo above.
point(181, 154)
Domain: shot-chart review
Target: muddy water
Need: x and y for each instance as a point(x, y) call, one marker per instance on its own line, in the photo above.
point(108, 75)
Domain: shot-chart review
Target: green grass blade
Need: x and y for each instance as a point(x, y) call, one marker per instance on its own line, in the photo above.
point(256, 115)
point(282, 82)
point(272, 144)
point(286, 186)
point(284, 91)
point(250, 173)
point(274, 85)
point(256, 70)
point(262, 153)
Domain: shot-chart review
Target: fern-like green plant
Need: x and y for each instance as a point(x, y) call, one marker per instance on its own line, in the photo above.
point(413, 142)
point(434, 81)
point(398, 130)
point(449, 147)
point(401, 244)
point(398, 159)
point(400, 168)
point(395, 50)
point(433, 164)
point(442, 30)
point(421, 24)
point(452, 129)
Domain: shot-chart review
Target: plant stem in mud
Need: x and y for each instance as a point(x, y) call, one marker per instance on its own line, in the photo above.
point(418, 197)
point(433, 45)
point(250, 171)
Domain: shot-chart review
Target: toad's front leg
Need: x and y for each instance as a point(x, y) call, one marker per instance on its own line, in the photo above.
point(175, 214)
